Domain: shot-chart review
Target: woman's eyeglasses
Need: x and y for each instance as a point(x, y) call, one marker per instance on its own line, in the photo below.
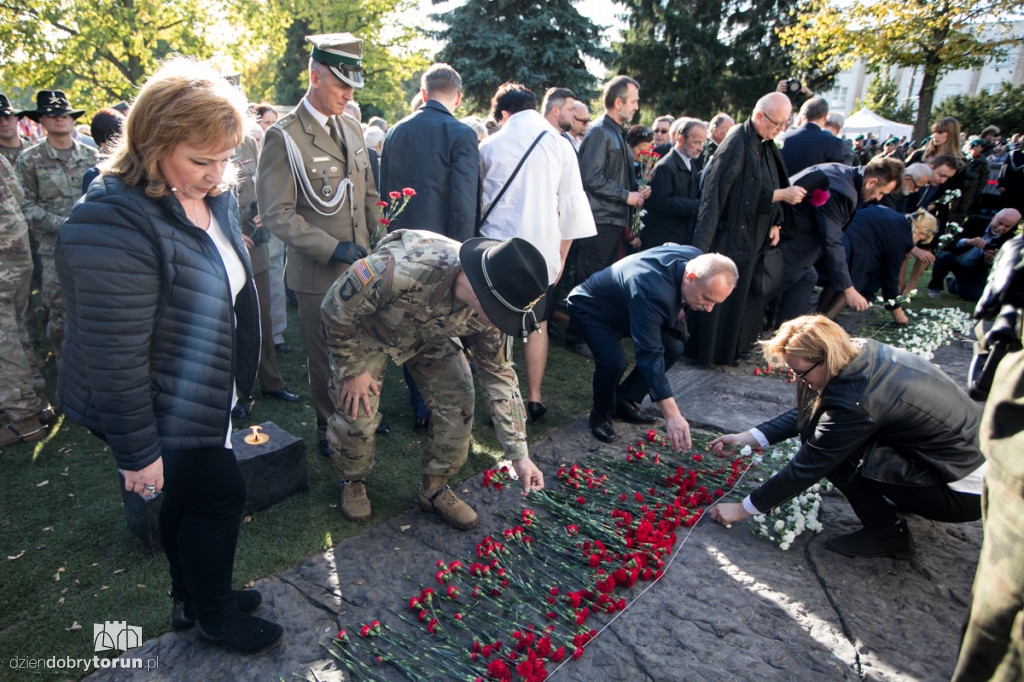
point(801, 375)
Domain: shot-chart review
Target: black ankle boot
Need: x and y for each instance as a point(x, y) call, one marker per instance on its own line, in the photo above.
point(894, 542)
point(183, 616)
point(240, 633)
point(602, 427)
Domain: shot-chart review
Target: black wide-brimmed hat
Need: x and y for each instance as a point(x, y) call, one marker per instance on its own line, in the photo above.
point(5, 107)
point(509, 278)
point(54, 103)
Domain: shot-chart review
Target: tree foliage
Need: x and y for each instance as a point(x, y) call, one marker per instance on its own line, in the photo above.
point(883, 98)
point(1004, 108)
point(935, 36)
point(100, 51)
point(698, 57)
point(539, 44)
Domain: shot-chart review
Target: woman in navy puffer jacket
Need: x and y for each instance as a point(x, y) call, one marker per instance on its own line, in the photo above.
point(162, 333)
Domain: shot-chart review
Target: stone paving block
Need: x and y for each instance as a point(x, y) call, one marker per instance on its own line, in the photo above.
point(272, 471)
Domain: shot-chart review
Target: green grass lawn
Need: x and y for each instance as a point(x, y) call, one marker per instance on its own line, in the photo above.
point(67, 559)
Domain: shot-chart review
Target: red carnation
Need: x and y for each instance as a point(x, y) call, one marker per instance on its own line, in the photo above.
point(395, 195)
point(408, 191)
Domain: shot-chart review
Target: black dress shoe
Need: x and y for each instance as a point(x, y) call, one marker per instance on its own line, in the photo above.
point(282, 348)
point(324, 447)
point(383, 428)
point(183, 617)
point(238, 412)
point(421, 425)
point(536, 410)
point(602, 427)
point(282, 394)
point(629, 411)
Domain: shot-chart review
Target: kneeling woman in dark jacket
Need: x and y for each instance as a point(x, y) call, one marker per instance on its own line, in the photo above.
point(162, 333)
point(881, 424)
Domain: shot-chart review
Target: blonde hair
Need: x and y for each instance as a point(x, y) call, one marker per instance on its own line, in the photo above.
point(952, 144)
point(924, 225)
point(184, 101)
point(816, 339)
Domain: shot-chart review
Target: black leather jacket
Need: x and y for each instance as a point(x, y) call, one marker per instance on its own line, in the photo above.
point(606, 165)
point(898, 416)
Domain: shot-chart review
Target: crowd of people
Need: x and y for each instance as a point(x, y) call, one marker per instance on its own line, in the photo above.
point(165, 286)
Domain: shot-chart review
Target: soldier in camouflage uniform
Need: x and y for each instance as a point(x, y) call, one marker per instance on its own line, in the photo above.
point(51, 174)
point(19, 379)
point(11, 144)
point(993, 638)
point(410, 300)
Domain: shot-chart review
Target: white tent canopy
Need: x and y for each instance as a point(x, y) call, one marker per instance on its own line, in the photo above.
point(866, 121)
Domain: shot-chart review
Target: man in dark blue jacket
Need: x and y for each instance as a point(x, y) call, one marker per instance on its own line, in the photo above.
point(819, 232)
point(645, 296)
point(675, 187)
point(436, 155)
point(808, 144)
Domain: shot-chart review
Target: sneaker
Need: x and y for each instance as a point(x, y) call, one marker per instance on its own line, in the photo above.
point(894, 542)
point(934, 293)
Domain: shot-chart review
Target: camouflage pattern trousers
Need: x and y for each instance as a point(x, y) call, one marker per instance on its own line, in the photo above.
point(442, 374)
point(993, 643)
point(19, 377)
point(53, 302)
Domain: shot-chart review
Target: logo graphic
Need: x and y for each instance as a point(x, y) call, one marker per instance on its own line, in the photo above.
point(116, 635)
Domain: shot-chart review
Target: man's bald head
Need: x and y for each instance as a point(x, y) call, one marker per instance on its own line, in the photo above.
point(771, 114)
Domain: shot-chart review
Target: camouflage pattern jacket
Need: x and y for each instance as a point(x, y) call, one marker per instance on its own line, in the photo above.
point(400, 299)
point(52, 186)
point(14, 247)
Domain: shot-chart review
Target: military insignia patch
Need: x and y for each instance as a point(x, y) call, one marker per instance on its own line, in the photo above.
point(363, 270)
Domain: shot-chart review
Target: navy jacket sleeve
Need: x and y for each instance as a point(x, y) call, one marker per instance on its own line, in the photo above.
point(646, 319)
point(465, 170)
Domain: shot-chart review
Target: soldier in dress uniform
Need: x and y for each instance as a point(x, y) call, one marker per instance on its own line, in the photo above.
point(316, 194)
point(51, 174)
point(20, 382)
point(271, 383)
point(11, 144)
point(410, 300)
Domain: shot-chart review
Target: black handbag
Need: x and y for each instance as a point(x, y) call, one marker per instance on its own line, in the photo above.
point(767, 279)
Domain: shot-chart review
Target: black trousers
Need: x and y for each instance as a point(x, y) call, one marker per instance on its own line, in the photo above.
point(610, 362)
point(199, 522)
point(868, 499)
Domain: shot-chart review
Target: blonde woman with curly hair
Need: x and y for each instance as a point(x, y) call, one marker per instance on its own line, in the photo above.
point(893, 433)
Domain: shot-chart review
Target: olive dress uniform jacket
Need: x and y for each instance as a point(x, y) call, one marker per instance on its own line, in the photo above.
point(287, 212)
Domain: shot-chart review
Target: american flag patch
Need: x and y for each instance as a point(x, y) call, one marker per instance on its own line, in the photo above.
point(363, 270)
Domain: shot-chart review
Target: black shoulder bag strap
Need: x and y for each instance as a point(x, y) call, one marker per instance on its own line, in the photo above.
point(508, 182)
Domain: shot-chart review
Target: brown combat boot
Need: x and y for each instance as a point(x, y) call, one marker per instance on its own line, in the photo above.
point(436, 496)
point(25, 431)
point(355, 505)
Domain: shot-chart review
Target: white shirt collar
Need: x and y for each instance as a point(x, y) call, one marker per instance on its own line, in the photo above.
point(686, 159)
point(320, 117)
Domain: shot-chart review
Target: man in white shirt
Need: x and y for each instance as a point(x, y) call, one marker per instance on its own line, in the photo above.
point(543, 203)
